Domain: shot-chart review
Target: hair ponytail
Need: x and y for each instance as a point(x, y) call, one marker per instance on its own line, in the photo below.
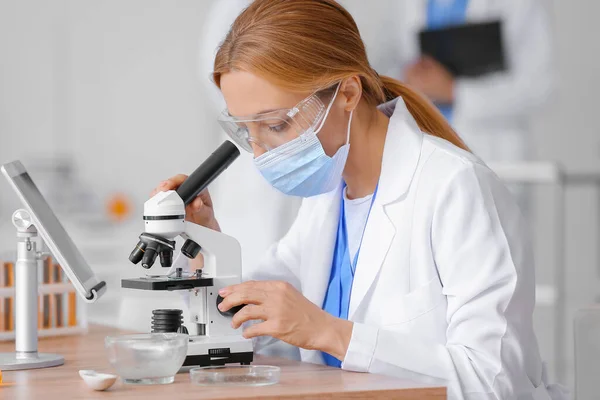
point(427, 116)
point(308, 45)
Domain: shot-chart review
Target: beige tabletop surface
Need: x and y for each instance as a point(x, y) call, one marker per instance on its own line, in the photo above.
point(298, 380)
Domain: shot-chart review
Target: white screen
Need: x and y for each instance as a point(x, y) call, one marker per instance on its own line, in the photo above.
point(54, 229)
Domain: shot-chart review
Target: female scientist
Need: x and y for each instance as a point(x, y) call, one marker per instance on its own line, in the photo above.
point(408, 256)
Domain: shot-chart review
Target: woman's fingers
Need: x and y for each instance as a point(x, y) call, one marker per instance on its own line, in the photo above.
point(199, 211)
point(173, 183)
point(205, 196)
point(197, 204)
point(248, 313)
point(177, 180)
point(244, 293)
point(170, 184)
point(260, 329)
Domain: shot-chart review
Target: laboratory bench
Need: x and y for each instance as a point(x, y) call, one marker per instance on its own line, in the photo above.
point(298, 380)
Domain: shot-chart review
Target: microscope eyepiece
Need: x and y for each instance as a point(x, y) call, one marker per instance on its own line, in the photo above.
point(208, 171)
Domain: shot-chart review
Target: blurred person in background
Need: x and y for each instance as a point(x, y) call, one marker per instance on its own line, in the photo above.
point(491, 112)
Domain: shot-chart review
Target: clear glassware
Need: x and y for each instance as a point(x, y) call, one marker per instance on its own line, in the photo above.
point(147, 358)
point(235, 375)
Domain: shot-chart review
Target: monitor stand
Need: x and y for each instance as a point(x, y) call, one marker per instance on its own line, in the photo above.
point(26, 355)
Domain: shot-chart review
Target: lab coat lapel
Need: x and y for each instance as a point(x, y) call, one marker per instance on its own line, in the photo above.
point(400, 159)
point(377, 239)
point(317, 265)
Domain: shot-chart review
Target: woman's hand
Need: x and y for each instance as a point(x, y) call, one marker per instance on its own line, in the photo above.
point(200, 211)
point(287, 315)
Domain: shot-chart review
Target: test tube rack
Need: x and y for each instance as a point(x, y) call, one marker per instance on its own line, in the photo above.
point(60, 310)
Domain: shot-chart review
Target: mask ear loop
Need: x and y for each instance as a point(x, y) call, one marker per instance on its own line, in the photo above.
point(328, 109)
point(349, 125)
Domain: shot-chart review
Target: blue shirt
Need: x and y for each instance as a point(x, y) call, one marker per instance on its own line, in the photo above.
point(337, 297)
point(441, 14)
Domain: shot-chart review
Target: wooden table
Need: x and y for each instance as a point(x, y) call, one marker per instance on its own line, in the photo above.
point(298, 380)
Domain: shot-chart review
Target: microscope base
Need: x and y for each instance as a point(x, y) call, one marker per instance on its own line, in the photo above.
point(209, 361)
point(207, 351)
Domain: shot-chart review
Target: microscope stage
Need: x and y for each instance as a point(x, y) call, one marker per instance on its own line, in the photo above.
point(166, 283)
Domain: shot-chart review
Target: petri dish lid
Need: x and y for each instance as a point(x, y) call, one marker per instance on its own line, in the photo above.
point(235, 375)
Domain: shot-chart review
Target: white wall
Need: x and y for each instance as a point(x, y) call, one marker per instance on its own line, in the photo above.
point(136, 109)
point(113, 85)
point(567, 133)
point(28, 112)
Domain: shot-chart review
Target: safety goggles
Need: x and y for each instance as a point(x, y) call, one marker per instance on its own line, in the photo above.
point(275, 128)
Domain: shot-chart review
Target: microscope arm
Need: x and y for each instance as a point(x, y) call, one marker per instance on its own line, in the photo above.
point(222, 253)
point(223, 264)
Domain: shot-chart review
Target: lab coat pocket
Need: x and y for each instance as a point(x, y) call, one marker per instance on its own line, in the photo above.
point(408, 306)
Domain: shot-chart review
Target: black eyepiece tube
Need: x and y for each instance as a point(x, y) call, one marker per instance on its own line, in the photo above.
point(212, 167)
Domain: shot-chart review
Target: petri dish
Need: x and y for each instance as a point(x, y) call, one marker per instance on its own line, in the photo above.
point(235, 375)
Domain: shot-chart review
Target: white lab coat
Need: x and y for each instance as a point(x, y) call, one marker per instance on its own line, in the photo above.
point(444, 285)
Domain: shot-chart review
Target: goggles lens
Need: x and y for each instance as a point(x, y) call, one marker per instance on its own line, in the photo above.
point(273, 129)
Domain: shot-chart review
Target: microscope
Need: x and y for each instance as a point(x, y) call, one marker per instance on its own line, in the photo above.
point(212, 339)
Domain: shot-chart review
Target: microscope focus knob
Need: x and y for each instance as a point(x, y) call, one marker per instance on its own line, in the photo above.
point(190, 249)
point(229, 313)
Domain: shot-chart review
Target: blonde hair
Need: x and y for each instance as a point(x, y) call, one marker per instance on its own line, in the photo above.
point(308, 45)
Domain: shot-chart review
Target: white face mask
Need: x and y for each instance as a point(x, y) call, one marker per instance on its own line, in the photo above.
point(301, 167)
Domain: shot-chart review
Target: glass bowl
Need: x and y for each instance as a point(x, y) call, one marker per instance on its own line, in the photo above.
point(147, 358)
point(235, 375)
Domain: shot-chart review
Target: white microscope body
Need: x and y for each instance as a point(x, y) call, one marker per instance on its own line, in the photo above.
point(212, 339)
